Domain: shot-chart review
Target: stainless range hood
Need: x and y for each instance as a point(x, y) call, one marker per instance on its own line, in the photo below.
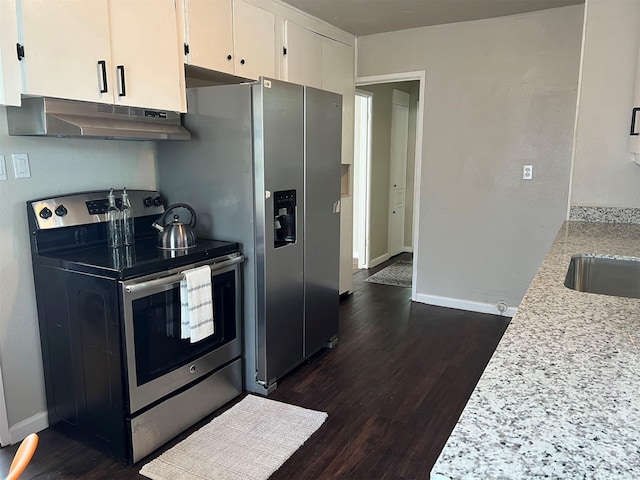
point(53, 117)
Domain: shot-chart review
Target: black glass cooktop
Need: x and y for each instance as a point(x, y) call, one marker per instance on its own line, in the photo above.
point(140, 259)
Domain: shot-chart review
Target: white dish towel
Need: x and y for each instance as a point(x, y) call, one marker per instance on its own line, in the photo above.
point(196, 304)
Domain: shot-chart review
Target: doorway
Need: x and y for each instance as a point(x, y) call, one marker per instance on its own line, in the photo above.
point(362, 180)
point(384, 188)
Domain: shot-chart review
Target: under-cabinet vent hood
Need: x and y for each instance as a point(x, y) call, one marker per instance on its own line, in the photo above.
point(54, 117)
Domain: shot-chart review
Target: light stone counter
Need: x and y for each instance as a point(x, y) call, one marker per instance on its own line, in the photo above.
point(560, 398)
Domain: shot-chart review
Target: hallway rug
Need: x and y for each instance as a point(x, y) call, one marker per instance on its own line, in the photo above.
point(249, 441)
point(398, 274)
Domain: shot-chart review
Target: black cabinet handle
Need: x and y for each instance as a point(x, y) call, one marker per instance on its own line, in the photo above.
point(633, 121)
point(242, 62)
point(103, 66)
point(229, 57)
point(123, 88)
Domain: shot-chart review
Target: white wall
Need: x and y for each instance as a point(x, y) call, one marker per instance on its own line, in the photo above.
point(500, 93)
point(57, 166)
point(603, 171)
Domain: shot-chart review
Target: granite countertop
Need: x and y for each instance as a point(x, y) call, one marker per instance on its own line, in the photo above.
point(560, 398)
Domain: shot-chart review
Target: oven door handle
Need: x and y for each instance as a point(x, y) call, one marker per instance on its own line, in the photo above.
point(137, 287)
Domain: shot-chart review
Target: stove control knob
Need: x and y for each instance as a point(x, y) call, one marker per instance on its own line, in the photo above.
point(148, 201)
point(157, 201)
point(45, 213)
point(61, 211)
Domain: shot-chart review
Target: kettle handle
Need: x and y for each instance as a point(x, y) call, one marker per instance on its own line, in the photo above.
point(192, 223)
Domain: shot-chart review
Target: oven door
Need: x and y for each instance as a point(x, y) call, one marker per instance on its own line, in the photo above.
point(158, 361)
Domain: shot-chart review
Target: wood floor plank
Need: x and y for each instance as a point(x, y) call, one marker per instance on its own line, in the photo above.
point(394, 388)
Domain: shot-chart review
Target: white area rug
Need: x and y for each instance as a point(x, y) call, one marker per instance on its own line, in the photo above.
point(398, 274)
point(249, 441)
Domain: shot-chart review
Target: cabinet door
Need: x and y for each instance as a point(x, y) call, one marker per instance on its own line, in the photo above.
point(254, 41)
point(338, 75)
point(10, 82)
point(209, 30)
point(303, 61)
point(64, 41)
point(146, 63)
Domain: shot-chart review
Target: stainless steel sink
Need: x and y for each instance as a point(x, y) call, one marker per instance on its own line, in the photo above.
point(605, 275)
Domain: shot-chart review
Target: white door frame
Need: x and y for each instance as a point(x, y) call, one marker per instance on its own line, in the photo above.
point(364, 191)
point(5, 434)
point(408, 77)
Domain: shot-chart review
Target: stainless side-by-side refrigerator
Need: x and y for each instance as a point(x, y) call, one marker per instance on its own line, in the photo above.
point(263, 169)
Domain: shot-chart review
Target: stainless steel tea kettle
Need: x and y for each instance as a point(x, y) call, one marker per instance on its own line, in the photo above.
point(176, 235)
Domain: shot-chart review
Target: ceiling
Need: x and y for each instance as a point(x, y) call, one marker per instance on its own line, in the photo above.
point(365, 17)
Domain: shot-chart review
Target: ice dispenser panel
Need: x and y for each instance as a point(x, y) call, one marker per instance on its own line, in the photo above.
point(284, 212)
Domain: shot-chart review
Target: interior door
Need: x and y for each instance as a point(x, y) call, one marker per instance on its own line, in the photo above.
point(398, 169)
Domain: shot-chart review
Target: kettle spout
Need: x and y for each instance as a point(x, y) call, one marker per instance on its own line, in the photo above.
point(157, 226)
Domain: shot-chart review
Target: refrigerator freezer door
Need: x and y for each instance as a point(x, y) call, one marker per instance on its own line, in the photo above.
point(279, 167)
point(323, 122)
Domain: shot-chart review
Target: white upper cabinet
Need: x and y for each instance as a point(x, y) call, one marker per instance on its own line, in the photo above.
point(254, 41)
point(10, 84)
point(303, 60)
point(634, 139)
point(321, 62)
point(230, 36)
point(145, 54)
point(68, 57)
point(108, 51)
point(338, 75)
point(209, 34)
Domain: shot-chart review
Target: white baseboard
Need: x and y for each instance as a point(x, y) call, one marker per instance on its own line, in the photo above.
point(33, 424)
point(377, 261)
point(464, 304)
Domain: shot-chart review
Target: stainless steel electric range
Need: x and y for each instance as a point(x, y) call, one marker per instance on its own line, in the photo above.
point(117, 373)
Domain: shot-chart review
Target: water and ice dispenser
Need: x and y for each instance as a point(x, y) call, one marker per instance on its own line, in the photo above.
point(284, 212)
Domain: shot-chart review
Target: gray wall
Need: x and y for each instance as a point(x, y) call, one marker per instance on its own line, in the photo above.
point(603, 171)
point(500, 93)
point(57, 166)
point(380, 163)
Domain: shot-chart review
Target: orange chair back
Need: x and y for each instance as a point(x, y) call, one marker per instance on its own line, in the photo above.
point(23, 456)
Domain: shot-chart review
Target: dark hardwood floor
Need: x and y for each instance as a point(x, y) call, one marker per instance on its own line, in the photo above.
point(394, 388)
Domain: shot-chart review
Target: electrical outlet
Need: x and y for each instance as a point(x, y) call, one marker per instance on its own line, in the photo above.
point(527, 172)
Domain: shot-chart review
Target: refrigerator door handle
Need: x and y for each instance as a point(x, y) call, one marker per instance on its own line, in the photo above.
point(336, 206)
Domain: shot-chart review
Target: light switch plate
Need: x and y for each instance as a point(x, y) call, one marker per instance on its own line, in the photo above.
point(3, 168)
point(21, 165)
